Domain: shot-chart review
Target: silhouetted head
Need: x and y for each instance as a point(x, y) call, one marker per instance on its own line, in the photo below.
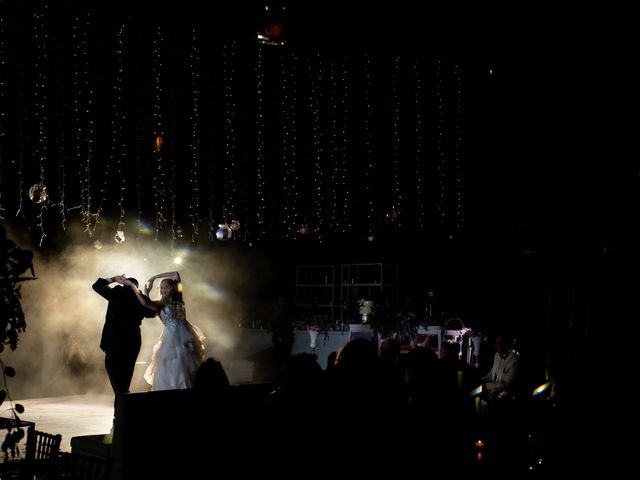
point(210, 376)
point(450, 349)
point(134, 281)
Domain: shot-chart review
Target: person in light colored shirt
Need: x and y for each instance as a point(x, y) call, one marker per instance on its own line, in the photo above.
point(496, 384)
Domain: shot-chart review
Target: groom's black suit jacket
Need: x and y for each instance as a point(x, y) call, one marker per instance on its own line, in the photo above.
point(121, 331)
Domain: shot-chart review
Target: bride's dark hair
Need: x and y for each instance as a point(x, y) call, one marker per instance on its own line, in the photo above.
point(176, 288)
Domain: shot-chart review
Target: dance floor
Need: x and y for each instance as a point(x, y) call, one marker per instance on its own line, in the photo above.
point(70, 416)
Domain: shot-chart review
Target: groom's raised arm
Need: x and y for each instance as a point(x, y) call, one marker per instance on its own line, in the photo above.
point(101, 287)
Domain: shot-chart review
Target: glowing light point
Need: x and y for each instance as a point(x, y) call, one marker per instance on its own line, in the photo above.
point(119, 236)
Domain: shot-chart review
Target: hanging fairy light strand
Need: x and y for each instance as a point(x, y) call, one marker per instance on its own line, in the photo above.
point(244, 165)
point(170, 155)
point(458, 149)
point(287, 132)
point(396, 193)
point(3, 93)
point(38, 192)
point(22, 133)
point(118, 143)
point(442, 164)
point(83, 111)
point(345, 223)
point(284, 145)
point(117, 117)
point(140, 151)
point(91, 133)
point(419, 172)
point(176, 230)
point(77, 94)
point(211, 192)
point(158, 174)
point(333, 146)
point(293, 142)
point(368, 146)
point(315, 102)
point(61, 139)
point(194, 144)
point(260, 134)
point(228, 72)
point(212, 224)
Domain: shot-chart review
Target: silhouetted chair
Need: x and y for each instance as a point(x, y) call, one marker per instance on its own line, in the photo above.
point(41, 455)
point(76, 466)
point(46, 445)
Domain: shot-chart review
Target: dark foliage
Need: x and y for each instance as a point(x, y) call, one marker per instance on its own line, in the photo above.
point(15, 262)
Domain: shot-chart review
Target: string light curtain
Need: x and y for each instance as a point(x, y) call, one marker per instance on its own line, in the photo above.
point(295, 142)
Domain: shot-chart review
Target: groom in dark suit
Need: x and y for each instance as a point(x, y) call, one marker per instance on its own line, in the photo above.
point(121, 339)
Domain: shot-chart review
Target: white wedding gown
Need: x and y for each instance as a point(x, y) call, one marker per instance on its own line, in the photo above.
point(178, 353)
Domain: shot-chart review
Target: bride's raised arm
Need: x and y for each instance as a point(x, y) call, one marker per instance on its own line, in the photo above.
point(143, 299)
point(172, 275)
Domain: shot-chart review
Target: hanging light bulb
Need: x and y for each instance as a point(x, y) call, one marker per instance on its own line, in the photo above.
point(38, 193)
point(119, 236)
point(224, 233)
point(157, 144)
point(235, 225)
point(179, 231)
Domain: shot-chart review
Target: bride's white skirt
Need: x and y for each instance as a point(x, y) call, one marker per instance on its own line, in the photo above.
point(176, 357)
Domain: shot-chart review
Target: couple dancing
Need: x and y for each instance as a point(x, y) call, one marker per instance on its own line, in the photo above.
point(178, 353)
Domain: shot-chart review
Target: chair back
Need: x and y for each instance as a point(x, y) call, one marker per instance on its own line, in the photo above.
point(46, 445)
point(41, 456)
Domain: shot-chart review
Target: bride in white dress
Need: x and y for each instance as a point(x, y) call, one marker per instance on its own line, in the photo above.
point(180, 350)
